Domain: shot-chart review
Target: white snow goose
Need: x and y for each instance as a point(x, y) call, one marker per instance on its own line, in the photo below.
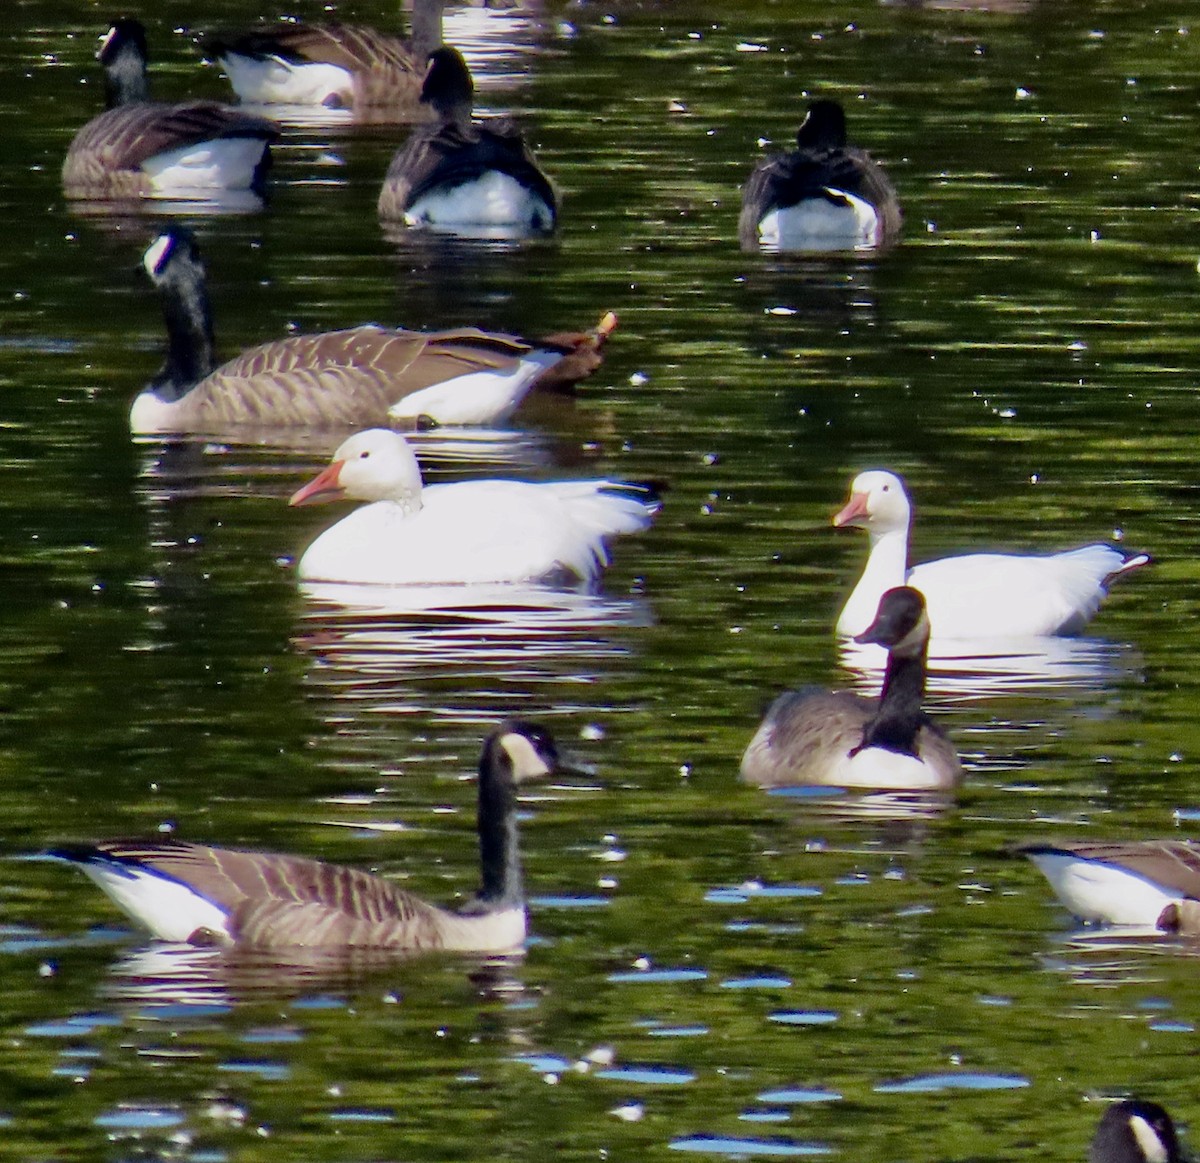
point(463, 176)
point(840, 739)
point(143, 148)
point(976, 595)
point(362, 375)
point(230, 897)
point(1151, 884)
point(467, 532)
point(824, 195)
point(375, 74)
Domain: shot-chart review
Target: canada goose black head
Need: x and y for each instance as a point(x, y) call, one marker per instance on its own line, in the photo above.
point(123, 53)
point(173, 250)
point(448, 86)
point(173, 263)
point(1134, 1131)
point(520, 750)
point(900, 624)
point(824, 127)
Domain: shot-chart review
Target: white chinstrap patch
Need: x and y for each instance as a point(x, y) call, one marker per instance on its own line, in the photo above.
point(156, 255)
point(1148, 1140)
point(526, 762)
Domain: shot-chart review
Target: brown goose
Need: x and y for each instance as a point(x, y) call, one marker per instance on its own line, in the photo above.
point(841, 739)
point(461, 175)
point(824, 195)
point(224, 896)
point(143, 148)
point(1148, 883)
point(361, 376)
point(338, 66)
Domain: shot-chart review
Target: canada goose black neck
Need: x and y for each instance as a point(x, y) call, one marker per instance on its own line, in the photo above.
point(501, 885)
point(824, 127)
point(123, 55)
point(902, 626)
point(448, 87)
point(179, 276)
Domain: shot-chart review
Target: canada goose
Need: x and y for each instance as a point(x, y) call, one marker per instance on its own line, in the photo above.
point(824, 195)
point(460, 175)
point(467, 532)
point(225, 896)
point(844, 740)
point(363, 375)
point(1150, 884)
point(975, 595)
point(1135, 1131)
point(338, 66)
point(143, 148)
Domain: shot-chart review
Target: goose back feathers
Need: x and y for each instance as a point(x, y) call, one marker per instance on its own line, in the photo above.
point(1148, 884)
point(361, 375)
point(842, 739)
point(338, 66)
point(824, 195)
point(139, 147)
point(973, 595)
point(222, 896)
point(469, 532)
point(458, 174)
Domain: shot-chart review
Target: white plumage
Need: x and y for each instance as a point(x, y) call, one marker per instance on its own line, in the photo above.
point(274, 81)
point(975, 595)
point(493, 200)
point(1096, 890)
point(840, 221)
point(468, 532)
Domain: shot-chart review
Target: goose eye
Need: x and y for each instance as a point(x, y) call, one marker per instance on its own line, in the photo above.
point(886, 488)
point(363, 455)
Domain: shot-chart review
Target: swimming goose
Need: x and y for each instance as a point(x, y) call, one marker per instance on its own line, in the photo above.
point(1149, 884)
point(338, 66)
point(460, 175)
point(844, 740)
point(143, 148)
point(362, 375)
point(1135, 1131)
point(224, 896)
point(825, 195)
point(467, 532)
point(975, 595)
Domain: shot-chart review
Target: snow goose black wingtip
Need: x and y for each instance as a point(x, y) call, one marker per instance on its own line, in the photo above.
point(205, 896)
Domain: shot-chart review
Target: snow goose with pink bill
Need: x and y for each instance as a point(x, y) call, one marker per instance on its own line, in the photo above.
point(976, 595)
point(466, 532)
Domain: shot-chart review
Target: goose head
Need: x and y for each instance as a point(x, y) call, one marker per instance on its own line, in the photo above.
point(878, 503)
point(900, 624)
point(521, 751)
point(1134, 1131)
point(123, 54)
point(170, 254)
point(824, 127)
point(375, 465)
point(448, 86)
